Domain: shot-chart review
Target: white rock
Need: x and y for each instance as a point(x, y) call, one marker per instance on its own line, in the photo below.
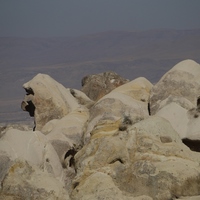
point(51, 99)
point(175, 98)
point(33, 147)
point(127, 101)
point(148, 158)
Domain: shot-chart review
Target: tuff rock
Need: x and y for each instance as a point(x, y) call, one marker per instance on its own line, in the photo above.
point(98, 85)
point(46, 99)
point(148, 158)
point(125, 140)
point(24, 181)
point(126, 104)
point(32, 147)
point(176, 98)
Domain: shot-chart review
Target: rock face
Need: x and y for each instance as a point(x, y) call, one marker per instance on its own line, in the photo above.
point(123, 106)
point(148, 158)
point(67, 132)
point(32, 147)
point(96, 86)
point(124, 141)
point(176, 98)
point(23, 181)
point(46, 99)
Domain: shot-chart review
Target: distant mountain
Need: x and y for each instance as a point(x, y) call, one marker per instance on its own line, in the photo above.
point(68, 59)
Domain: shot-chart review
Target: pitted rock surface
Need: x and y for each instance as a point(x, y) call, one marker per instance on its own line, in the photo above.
point(96, 86)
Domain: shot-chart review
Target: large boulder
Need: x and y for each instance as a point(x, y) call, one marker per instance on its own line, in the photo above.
point(96, 86)
point(32, 147)
point(126, 104)
point(181, 82)
point(20, 180)
point(46, 99)
point(67, 133)
point(175, 97)
point(148, 158)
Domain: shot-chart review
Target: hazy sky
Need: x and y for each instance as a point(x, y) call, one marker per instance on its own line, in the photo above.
point(77, 17)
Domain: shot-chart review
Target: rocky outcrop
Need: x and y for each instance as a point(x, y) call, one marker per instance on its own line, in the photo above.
point(24, 181)
point(147, 158)
point(46, 99)
point(32, 147)
point(67, 132)
point(96, 86)
point(127, 142)
point(126, 104)
point(176, 98)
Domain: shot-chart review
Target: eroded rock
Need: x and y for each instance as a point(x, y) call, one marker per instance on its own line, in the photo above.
point(176, 98)
point(23, 181)
point(97, 86)
point(148, 158)
point(129, 101)
point(46, 99)
point(32, 147)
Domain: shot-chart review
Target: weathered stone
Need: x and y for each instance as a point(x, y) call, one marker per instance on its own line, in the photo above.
point(148, 158)
point(23, 181)
point(125, 104)
point(32, 147)
point(23, 127)
point(181, 84)
point(175, 98)
point(46, 99)
point(67, 132)
point(96, 86)
point(100, 186)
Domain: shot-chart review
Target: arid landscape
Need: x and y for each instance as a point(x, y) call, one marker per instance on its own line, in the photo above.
point(68, 59)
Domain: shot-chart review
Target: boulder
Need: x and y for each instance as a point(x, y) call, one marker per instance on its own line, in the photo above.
point(175, 97)
point(148, 158)
point(181, 84)
point(124, 105)
point(33, 147)
point(96, 86)
point(67, 133)
point(4, 127)
point(21, 180)
point(101, 186)
point(46, 99)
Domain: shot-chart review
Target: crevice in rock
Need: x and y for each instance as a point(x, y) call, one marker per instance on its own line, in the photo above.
point(30, 107)
point(70, 155)
point(149, 109)
point(194, 145)
point(125, 123)
point(29, 91)
point(75, 185)
point(117, 159)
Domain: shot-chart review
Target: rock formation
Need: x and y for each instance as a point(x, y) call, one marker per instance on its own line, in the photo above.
point(176, 98)
point(115, 139)
point(96, 86)
point(46, 99)
point(148, 158)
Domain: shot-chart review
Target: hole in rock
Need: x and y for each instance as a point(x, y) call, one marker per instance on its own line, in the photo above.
point(122, 128)
point(75, 184)
point(29, 91)
point(117, 159)
point(194, 145)
point(149, 108)
point(70, 152)
point(30, 108)
point(127, 121)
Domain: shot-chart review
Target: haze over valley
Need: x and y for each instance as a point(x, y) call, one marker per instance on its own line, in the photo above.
point(131, 54)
